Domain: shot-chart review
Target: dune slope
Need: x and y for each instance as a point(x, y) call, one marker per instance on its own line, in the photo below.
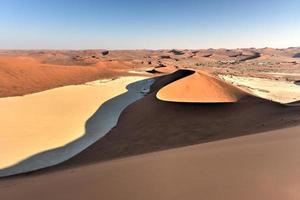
point(200, 88)
point(54, 125)
point(264, 166)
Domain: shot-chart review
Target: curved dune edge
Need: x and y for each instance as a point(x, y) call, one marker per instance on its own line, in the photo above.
point(249, 167)
point(200, 87)
point(51, 127)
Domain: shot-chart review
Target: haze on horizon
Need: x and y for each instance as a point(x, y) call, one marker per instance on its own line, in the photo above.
point(156, 24)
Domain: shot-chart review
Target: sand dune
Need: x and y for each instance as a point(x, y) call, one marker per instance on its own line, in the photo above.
point(257, 166)
point(51, 119)
point(200, 88)
point(263, 166)
point(20, 75)
point(151, 125)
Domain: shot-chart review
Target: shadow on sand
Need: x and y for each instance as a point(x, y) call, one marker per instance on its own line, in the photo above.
point(149, 125)
point(100, 123)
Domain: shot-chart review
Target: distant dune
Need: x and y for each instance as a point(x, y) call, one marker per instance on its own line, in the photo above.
point(25, 72)
point(20, 75)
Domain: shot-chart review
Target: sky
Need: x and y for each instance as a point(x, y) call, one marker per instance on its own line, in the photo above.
point(148, 24)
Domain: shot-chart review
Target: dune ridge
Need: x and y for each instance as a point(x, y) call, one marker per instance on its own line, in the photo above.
point(200, 87)
point(57, 124)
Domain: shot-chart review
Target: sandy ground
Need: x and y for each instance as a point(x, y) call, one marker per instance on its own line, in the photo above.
point(262, 166)
point(275, 90)
point(280, 74)
point(53, 118)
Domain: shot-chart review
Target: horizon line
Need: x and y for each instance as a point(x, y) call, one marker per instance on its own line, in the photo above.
point(135, 49)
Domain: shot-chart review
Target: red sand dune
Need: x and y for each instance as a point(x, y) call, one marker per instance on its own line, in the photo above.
point(200, 87)
point(20, 75)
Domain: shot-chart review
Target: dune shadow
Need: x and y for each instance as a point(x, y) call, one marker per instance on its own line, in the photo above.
point(100, 123)
point(150, 125)
point(297, 82)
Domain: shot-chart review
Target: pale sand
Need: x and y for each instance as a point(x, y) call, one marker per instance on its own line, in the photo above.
point(275, 90)
point(53, 118)
point(280, 74)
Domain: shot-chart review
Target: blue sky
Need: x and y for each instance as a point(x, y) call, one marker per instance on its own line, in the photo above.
point(151, 24)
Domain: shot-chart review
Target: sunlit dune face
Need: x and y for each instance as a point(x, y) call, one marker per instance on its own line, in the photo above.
point(38, 122)
point(200, 87)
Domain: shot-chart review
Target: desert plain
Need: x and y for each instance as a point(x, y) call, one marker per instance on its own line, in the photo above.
point(150, 124)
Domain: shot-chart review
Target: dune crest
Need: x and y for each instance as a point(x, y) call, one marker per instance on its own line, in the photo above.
point(200, 87)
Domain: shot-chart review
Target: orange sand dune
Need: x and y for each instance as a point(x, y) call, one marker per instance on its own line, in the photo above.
point(20, 75)
point(200, 87)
